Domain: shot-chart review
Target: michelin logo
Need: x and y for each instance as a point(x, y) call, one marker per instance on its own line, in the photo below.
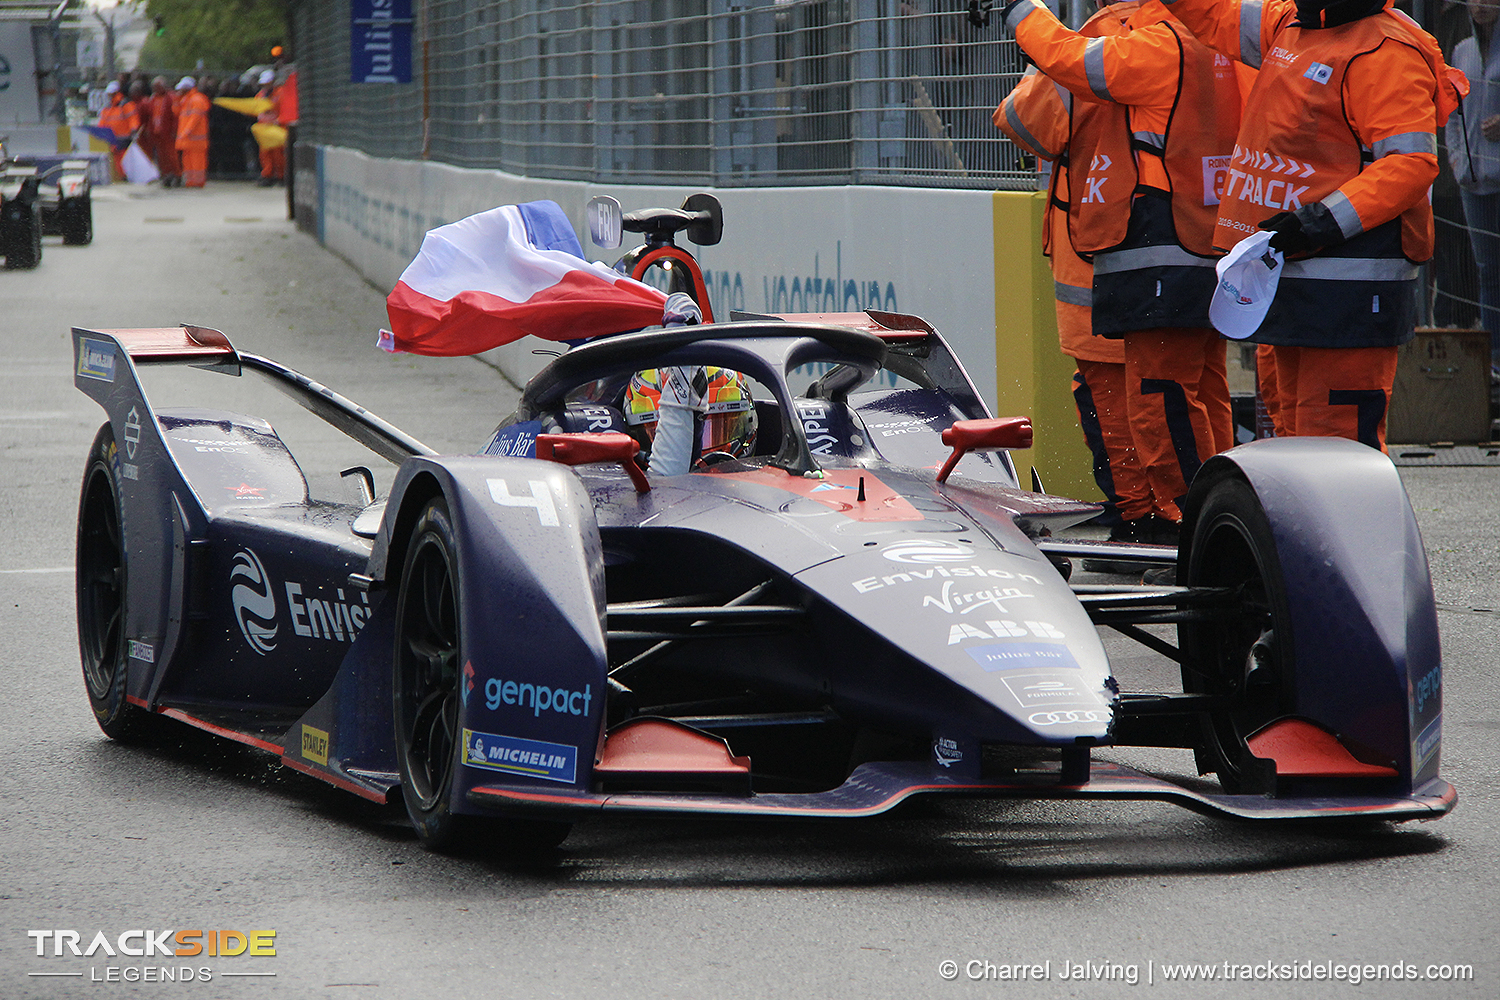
point(513, 755)
point(96, 359)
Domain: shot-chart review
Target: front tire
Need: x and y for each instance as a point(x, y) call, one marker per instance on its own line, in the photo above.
point(101, 593)
point(427, 682)
point(1247, 660)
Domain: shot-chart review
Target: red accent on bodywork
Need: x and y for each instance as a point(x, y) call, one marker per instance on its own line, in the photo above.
point(838, 490)
point(217, 730)
point(886, 326)
point(167, 343)
point(661, 746)
point(965, 436)
point(1302, 749)
point(335, 780)
point(581, 449)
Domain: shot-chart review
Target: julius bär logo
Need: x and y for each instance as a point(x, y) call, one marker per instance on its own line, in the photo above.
point(167, 956)
point(254, 602)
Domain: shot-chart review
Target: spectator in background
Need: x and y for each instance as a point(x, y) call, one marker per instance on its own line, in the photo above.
point(286, 116)
point(159, 119)
point(1473, 139)
point(272, 155)
point(192, 132)
point(121, 117)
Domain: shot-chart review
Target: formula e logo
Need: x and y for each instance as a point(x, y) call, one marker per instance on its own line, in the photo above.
point(927, 552)
point(1066, 718)
point(254, 602)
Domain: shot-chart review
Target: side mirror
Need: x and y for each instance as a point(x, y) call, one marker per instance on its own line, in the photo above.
point(581, 449)
point(984, 435)
point(708, 228)
point(604, 218)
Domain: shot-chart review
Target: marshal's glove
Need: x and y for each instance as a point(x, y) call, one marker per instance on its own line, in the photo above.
point(1309, 229)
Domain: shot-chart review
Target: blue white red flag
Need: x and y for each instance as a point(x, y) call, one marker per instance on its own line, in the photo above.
point(504, 274)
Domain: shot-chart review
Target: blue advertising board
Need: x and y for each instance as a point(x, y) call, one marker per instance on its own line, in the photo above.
point(380, 41)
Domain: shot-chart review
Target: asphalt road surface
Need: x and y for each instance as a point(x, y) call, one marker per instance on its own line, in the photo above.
point(1061, 899)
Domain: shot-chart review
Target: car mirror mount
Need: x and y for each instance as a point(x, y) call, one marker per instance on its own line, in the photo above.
point(989, 434)
point(581, 449)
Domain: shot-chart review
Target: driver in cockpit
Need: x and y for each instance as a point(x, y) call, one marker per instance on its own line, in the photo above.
point(693, 416)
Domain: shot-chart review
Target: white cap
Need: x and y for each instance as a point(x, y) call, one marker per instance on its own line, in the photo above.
point(267, 76)
point(112, 87)
point(186, 83)
point(1248, 276)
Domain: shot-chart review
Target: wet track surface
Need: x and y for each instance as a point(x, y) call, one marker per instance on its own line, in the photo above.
point(1077, 897)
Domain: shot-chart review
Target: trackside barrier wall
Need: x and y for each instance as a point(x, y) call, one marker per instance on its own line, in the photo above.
point(967, 261)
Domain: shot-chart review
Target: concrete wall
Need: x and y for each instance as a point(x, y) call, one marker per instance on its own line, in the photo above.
point(966, 261)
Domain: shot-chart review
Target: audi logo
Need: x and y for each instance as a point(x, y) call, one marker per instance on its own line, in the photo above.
point(1065, 718)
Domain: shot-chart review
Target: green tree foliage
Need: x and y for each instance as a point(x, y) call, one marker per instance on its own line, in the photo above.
point(224, 34)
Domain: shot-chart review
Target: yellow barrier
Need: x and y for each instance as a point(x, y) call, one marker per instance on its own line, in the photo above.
point(1034, 377)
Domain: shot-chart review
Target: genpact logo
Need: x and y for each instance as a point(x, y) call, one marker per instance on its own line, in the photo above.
point(927, 552)
point(254, 602)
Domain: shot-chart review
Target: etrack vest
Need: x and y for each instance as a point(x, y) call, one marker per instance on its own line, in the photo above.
point(1152, 248)
point(1298, 147)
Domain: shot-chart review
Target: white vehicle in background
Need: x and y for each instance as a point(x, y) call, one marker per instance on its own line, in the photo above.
point(52, 199)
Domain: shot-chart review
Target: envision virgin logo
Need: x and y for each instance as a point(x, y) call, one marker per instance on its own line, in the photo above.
point(928, 551)
point(254, 602)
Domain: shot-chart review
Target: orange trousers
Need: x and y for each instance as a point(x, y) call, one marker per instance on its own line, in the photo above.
point(273, 163)
point(1328, 391)
point(194, 164)
point(1099, 393)
point(1177, 399)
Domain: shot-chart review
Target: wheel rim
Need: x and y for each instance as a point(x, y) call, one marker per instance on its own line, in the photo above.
point(1239, 659)
point(428, 671)
point(101, 587)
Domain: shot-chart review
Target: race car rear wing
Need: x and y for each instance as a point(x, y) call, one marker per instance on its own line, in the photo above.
point(95, 352)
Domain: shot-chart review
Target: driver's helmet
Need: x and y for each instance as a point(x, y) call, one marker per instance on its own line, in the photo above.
point(727, 420)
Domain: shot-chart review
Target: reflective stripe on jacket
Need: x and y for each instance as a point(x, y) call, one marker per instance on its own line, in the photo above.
point(192, 120)
point(1144, 201)
point(1346, 116)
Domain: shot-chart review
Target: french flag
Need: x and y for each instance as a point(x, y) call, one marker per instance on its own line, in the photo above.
point(504, 274)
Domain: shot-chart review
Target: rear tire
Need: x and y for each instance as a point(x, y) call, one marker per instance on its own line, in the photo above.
point(21, 235)
point(76, 219)
point(101, 593)
point(1248, 660)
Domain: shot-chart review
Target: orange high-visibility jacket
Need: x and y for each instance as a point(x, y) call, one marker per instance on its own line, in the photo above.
point(192, 120)
point(1347, 116)
point(121, 117)
point(1042, 118)
point(1148, 195)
